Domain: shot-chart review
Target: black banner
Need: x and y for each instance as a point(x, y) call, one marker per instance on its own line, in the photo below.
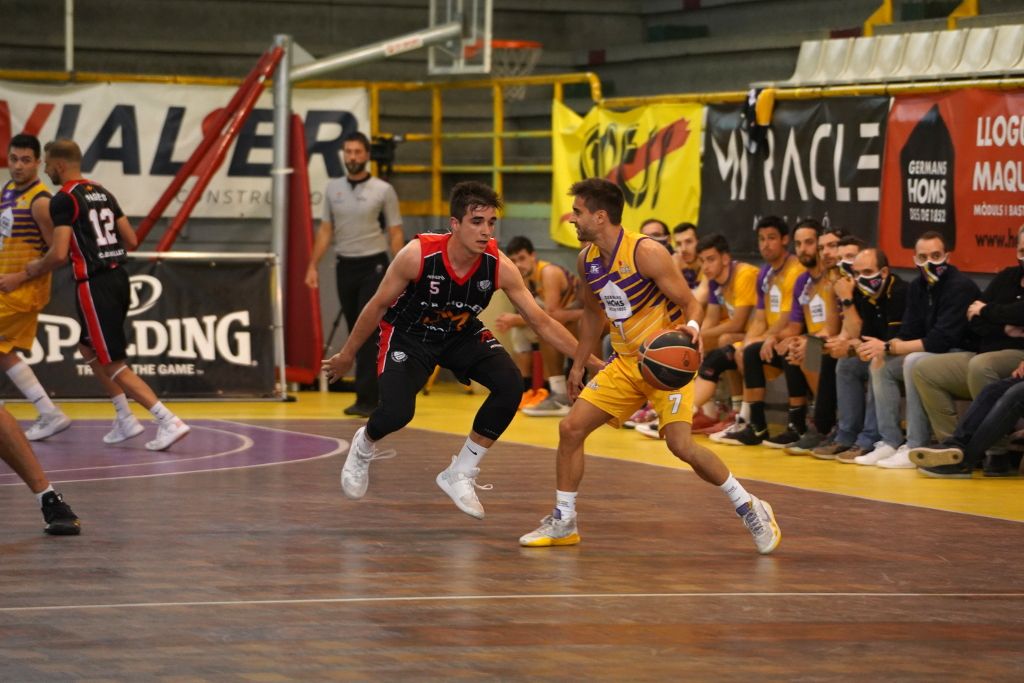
point(195, 330)
point(823, 160)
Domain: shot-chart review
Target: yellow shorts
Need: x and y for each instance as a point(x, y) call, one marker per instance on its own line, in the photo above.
point(17, 330)
point(620, 391)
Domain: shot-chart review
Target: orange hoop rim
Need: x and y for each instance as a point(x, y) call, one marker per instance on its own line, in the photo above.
point(473, 48)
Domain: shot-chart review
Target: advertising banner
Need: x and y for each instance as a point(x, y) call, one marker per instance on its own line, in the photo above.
point(135, 136)
point(194, 331)
point(954, 163)
point(822, 159)
point(652, 153)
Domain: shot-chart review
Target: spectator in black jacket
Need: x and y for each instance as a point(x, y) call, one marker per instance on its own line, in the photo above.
point(934, 321)
point(997, 322)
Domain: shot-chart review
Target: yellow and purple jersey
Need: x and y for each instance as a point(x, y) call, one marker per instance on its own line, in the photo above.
point(20, 242)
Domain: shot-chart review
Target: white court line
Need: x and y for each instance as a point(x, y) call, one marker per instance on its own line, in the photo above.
point(482, 598)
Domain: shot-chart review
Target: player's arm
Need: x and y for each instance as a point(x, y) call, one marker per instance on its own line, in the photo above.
point(321, 241)
point(591, 329)
point(555, 282)
point(654, 262)
point(41, 215)
point(403, 270)
point(549, 329)
point(396, 237)
point(735, 324)
point(62, 215)
point(127, 234)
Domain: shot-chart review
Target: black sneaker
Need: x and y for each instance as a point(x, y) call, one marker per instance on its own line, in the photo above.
point(1001, 464)
point(748, 436)
point(955, 471)
point(786, 439)
point(806, 443)
point(359, 410)
point(60, 518)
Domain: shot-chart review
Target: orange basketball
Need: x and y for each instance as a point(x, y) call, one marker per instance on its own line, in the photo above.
point(669, 359)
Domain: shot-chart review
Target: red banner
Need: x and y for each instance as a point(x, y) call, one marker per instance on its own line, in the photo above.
point(954, 163)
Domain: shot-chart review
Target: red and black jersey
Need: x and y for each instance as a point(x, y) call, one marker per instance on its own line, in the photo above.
point(438, 304)
point(92, 212)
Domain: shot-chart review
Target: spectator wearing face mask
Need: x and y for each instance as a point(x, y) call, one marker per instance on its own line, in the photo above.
point(997, 322)
point(934, 321)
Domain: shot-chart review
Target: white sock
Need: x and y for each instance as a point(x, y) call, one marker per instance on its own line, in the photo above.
point(737, 494)
point(745, 411)
point(565, 503)
point(469, 457)
point(23, 377)
point(363, 443)
point(161, 413)
point(557, 384)
point(737, 403)
point(121, 406)
point(39, 496)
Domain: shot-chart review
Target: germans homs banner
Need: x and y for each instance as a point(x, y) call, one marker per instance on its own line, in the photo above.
point(954, 162)
point(652, 153)
point(821, 159)
point(135, 137)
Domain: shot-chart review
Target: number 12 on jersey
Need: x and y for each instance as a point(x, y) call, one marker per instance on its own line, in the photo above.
point(104, 224)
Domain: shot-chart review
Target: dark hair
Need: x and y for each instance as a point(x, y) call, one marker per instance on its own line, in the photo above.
point(663, 224)
point(881, 260)
point(519, 243)
point(356, 136)
point(26, 141)
point(854, 240)
point(469, 194)
point(835, 230)
point(811, 223)
point(772, 222)
point(683, 227)
point(65, 149)
point(714, 241)
point(934, 235)
point(599, 194)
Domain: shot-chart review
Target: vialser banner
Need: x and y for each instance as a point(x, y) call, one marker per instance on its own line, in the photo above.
point(822, 159)
point(194, 331)
point(954, 163)
point(135, 137)
point(652, 153)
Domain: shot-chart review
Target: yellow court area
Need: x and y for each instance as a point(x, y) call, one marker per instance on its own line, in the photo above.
point(449, 409)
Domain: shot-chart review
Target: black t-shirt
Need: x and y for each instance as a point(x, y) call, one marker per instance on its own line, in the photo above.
point(92, 212)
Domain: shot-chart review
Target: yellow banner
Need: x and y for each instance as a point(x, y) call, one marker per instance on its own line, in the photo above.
point(652, 153)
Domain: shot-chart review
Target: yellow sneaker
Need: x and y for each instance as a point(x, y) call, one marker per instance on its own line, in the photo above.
point(553, 530)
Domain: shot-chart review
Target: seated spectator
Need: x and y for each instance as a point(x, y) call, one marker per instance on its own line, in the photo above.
point(684, 251)
point(992, 415)
point(872, 306)
point(934, 321)
point(997, 322)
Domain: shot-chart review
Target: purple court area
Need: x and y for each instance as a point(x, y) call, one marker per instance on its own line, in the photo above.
point(79, 454)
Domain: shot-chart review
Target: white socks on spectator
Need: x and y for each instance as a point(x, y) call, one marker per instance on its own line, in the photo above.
point(557, 384)
point(22, 376)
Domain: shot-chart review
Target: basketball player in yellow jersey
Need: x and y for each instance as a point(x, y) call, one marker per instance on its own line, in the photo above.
point(641, 291)
point(25, 232)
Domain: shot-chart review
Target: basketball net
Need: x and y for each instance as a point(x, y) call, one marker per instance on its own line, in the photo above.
point(510, 58)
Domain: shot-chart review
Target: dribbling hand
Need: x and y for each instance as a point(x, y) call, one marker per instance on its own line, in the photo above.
point(336, 366)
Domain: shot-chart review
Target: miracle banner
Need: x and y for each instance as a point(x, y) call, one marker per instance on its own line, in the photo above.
point(822, 160)
point(194, 331)
point(954, 163)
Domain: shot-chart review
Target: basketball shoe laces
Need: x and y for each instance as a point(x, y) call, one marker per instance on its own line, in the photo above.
point(363, 462)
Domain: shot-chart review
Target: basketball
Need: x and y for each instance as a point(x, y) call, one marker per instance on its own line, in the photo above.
point(669, 359)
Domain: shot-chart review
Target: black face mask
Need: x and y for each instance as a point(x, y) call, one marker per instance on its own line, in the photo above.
point(933, 271)
point(846, 268)
point(871, 286)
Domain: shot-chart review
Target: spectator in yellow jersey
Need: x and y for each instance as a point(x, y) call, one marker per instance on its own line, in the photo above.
point(685, 252)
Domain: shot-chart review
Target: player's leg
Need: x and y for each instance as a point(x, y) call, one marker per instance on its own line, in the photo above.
point(557, 402)
point(51, 419)
point(17, 453)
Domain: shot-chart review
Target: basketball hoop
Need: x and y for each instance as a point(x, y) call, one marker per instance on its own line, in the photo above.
point(510, 58)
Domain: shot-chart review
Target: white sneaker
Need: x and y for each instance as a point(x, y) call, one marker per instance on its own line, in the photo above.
point(355, 474)
point(900, 460)
point(123, 429)
point(649, 429)
point(167, 433)
point(553, 530)
point(46, 425)
point(881, 452)
point(759, 519)
point(555, 405)
point(736, 426)
point(460, 488)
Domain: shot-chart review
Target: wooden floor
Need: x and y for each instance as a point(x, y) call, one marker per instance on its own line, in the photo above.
point(267, 573)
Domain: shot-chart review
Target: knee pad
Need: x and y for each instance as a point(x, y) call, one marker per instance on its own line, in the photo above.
point(717, 362)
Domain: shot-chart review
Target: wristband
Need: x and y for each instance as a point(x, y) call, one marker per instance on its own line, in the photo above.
point(694, 325)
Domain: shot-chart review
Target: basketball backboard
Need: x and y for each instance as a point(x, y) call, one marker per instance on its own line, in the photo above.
point(472, 53)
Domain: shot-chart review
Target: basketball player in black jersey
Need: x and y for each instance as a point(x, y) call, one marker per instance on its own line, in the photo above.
point(88, 223)
point(427, 308)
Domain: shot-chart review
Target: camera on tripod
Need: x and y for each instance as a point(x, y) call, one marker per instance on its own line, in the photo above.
point(382, 151)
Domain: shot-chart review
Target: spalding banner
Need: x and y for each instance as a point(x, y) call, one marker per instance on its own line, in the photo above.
point(953, 164)
point(194, 331)
point(822, 160)
point(652, 153)
point(135, 136)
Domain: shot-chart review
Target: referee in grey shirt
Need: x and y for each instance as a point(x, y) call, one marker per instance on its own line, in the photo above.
point(362, 220)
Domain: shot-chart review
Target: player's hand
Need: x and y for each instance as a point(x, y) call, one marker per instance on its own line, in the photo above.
point(871, 349)
point(975, 309)
point(797, 350)
point(505, 321)
point(767, 348)
point(574, 382)
point(1019, 372)
point(11, 281)
point(837, 347)
point(337, 365)
point(696, 338)
point(312, 278)
point(32, 268)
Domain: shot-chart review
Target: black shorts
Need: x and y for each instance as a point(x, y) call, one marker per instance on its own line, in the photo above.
point(102, 305)
point(460, 353)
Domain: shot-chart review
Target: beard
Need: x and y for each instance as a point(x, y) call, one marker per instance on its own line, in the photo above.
point(808, 261)
point(355, 167)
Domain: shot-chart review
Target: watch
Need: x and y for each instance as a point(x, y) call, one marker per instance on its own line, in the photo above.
point(846, 303)
point(888, 346)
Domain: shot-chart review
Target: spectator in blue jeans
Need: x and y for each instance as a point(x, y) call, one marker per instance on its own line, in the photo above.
point(872, 306)
point(992, 415)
